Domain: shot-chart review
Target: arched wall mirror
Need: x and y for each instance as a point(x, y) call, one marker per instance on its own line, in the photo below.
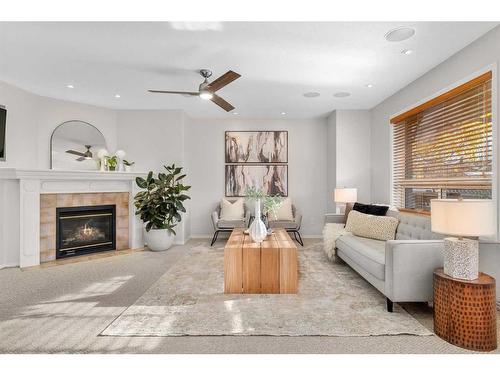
point(74, 146)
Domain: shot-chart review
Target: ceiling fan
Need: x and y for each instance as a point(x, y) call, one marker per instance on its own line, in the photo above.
point(82, 155)
point(207, 89)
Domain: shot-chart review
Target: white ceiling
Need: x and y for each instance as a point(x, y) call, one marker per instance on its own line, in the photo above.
point(278, 62)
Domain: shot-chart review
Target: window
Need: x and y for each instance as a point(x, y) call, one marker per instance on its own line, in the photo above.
point(443, 148)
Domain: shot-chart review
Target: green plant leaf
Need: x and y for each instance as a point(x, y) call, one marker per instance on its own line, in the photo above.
point(140, 182)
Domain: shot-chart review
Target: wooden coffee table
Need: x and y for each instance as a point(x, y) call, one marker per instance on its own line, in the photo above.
point(268, 267)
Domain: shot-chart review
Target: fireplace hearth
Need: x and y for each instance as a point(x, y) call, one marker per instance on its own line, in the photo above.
point(85, 229)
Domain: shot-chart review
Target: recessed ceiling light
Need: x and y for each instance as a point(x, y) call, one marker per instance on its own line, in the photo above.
point(342, 94)
point(369, 85)
point(311, 94)
point(70, 86)
point(235, 113)
point(407, 52)
point(283, 113)
point(399, 34)
point(117, 96)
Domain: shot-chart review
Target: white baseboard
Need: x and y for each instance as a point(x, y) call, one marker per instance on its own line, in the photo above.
point(201, 236)
point(8, 265)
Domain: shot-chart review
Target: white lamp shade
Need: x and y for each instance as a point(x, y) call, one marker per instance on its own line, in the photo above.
point(465, 217)
point(345, 195)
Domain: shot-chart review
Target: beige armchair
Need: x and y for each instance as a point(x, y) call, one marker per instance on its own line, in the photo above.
point(291, 226)
point(227, 226)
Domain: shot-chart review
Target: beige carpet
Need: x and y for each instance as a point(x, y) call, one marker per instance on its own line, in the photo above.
point(333, 300)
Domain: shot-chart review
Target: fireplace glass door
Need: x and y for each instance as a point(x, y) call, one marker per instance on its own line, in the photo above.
point(82, 230)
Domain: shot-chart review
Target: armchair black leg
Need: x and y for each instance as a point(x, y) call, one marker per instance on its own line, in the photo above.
point(389, 305)
point(215, 237)
point(299, 239)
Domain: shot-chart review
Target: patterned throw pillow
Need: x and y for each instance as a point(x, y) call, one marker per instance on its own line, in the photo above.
point(370, 226)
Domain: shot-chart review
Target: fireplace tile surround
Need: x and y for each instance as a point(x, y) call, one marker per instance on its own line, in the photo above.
point(29, 199)
point(49, 203)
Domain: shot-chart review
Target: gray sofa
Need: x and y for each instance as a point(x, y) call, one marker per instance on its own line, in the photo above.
point(401, 269)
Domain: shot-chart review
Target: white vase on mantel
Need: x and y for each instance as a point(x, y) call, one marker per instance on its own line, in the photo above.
point(257, 230)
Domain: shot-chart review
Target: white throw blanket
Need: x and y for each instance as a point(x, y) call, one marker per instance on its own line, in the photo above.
point(331, 232)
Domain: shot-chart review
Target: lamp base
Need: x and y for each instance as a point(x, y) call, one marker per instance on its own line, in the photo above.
point(461, 258)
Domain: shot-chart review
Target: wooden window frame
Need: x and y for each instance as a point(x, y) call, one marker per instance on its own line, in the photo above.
point(445, 181)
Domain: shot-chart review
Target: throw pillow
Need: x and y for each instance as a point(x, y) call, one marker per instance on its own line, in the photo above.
point(232, 210)
point(371, 226)
point(370, 209)
point(284, 212)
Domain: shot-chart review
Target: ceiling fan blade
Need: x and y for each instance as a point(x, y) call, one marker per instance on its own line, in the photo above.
point(175, 92)
point(222, 103)
point(223, 80)
point(81, 158)
point(75, 153)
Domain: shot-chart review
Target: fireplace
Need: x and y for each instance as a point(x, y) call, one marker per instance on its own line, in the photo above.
point(83, 230)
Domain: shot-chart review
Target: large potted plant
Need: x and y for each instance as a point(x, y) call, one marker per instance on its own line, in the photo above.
point(160, 204)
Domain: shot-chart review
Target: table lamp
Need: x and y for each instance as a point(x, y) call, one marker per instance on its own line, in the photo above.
point(346, 196)
point(462, 218)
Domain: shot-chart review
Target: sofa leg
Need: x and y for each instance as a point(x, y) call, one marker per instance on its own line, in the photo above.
point(389, 305)
point(215, 237)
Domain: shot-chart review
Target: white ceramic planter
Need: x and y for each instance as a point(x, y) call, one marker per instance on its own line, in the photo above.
point(158, 239)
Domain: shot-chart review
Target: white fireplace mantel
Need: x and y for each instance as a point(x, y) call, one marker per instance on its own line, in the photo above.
point(20, 191)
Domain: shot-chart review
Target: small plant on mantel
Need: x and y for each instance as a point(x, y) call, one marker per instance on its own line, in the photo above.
point(112, 162)
point(160, 205)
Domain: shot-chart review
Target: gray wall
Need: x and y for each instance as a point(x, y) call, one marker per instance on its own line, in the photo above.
point(466, 63)
point(353, 151)
point(469, 62)
point(348, 153)
point(153, 139)
point(306, 167)
point(32, 118)
point(331, 165)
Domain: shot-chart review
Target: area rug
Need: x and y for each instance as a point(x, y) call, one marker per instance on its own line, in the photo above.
point(333, 300)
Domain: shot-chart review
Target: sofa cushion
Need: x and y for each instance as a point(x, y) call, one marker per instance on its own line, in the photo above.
point(232, 210)
point(367, 253)
point(414, 227)
point(370, 226)
point(230, 224)
point(287, 224)
point(284, 212)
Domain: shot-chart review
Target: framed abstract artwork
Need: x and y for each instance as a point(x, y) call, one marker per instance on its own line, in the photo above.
point(272, 179)
point(256, 146)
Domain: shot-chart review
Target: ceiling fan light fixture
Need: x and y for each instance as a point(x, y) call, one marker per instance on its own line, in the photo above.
point(207, 90)
point(206, 95)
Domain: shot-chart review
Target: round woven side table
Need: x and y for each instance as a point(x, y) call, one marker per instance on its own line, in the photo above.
point(465, 311)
